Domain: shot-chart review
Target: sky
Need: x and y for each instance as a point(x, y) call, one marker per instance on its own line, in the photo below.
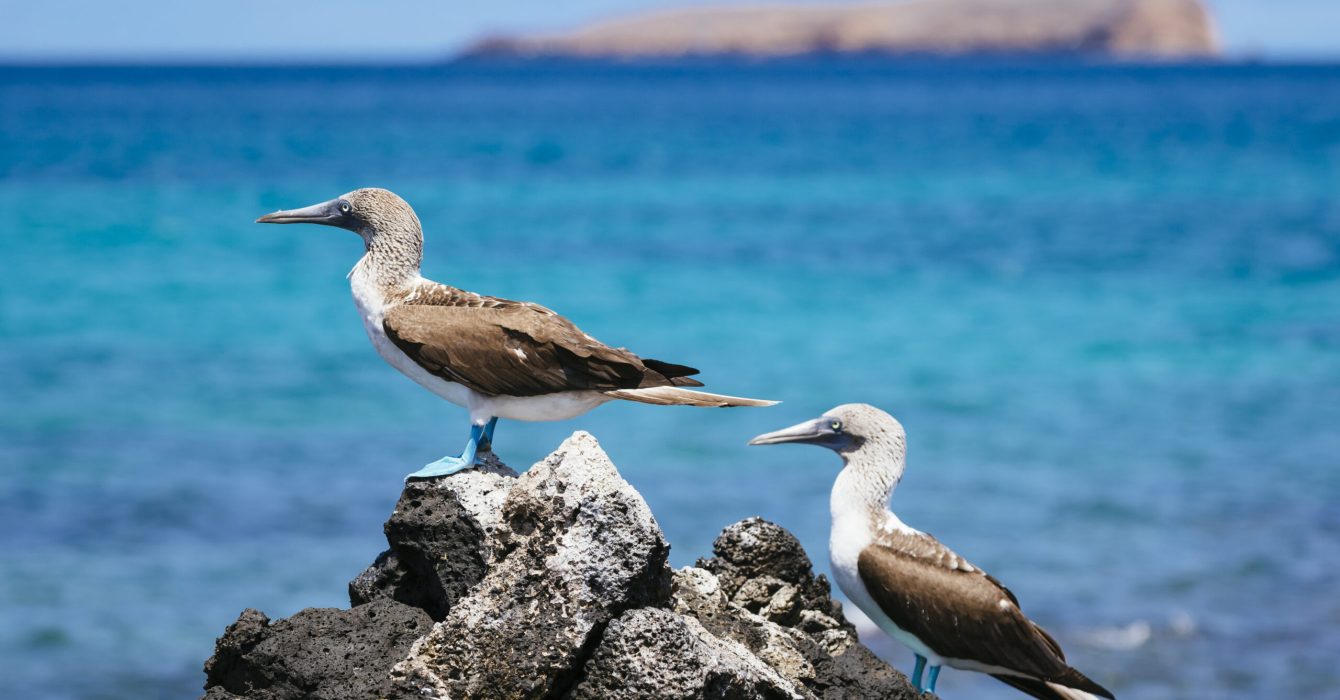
point(413, 30)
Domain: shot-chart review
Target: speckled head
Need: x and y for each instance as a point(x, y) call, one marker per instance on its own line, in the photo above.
point(370, 212)
point(846, 429)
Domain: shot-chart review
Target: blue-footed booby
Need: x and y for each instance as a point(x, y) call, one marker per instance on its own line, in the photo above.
point(947, 611)
point(495, 357)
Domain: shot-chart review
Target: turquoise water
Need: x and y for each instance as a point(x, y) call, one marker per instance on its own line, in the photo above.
point(1105, 302)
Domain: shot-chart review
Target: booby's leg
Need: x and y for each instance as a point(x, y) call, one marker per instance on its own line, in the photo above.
point(486, 444)
point(934, 674)
point(916, 672)
point(451, 465)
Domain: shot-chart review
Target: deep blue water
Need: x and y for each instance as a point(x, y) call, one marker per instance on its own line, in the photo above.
point(1105, 302)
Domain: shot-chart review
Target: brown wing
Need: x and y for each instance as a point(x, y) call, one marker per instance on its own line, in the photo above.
point(499, 347)
point(959, 614)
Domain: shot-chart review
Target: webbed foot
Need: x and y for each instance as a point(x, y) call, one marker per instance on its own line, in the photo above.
point(442, 467)
point(451, 465)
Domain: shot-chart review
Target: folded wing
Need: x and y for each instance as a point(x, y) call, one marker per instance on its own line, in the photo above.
point(960, 612)
point(499, 347)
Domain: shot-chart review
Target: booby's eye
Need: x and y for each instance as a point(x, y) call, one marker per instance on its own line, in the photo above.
point(836, 425)
point(344, 207)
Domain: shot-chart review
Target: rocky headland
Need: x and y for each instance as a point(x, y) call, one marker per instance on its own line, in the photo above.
point(555, 584)
point(1117, 28)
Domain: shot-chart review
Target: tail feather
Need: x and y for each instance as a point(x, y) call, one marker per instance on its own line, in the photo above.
point(675, 375)
point(676, 396)
point(669, 369)
point(1053, 691)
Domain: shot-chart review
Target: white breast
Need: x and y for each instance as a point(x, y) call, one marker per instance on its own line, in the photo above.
point(371, 307)
point(851, 533)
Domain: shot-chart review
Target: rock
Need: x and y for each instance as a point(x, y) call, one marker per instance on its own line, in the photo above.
point(764, 569)
point(555, 584)
point(654, 653)
point(319, 653)
point(698, 593)
point(760, 589)
point(441, 540)
point(580, 547)
point(1139, 28)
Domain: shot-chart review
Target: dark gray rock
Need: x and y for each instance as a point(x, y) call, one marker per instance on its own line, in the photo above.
point(760, 589)
point(654, 653)
point(555, 584)
point(820, 655)
point(764, 569)
point(440, 538)
point(579, 548)
point(319, 653)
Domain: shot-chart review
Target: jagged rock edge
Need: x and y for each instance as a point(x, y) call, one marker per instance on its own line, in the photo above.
point(579, 667)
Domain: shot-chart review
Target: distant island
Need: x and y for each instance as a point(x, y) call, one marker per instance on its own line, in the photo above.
point(1155, 29)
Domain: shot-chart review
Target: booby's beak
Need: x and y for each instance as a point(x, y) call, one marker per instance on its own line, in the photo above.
point(326, 213)
point(819, 431)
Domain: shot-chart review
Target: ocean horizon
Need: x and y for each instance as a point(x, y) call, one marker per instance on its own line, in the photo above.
point(1103, 298)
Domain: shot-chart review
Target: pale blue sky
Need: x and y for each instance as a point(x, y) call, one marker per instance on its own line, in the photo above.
point(425, 29)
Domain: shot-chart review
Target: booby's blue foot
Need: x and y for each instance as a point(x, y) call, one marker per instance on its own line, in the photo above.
point(916, 672)
point(442, 467)
point(933, 675)
point(486, 444)
point(451, 465)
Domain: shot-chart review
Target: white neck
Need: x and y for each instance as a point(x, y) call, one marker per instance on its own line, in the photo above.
point(862, 490)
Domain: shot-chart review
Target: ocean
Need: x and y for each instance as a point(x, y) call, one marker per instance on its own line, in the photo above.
point(1103, 299)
